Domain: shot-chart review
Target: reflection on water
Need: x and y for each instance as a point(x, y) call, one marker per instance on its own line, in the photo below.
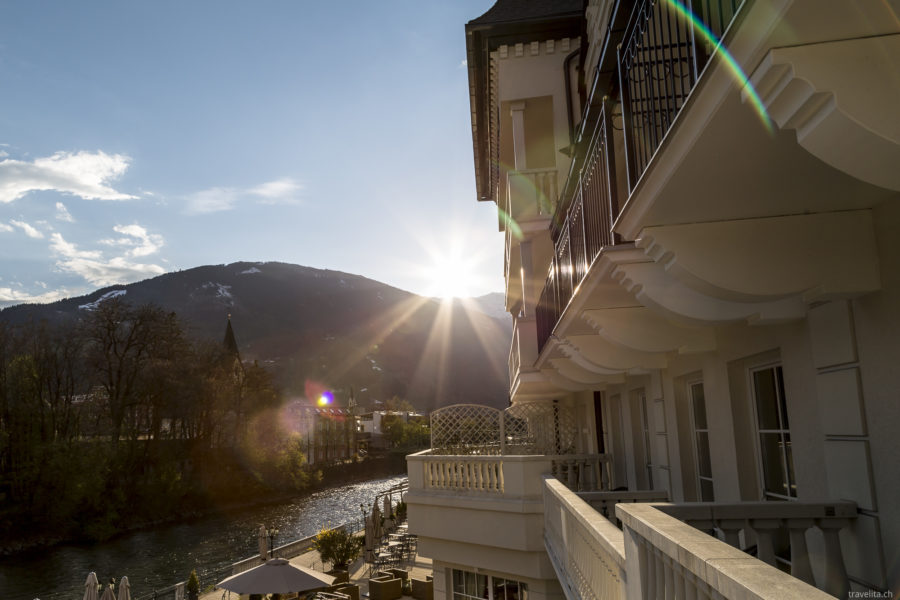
point(157, 558)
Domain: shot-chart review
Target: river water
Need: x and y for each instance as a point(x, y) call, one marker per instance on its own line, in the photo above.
point(157, 558)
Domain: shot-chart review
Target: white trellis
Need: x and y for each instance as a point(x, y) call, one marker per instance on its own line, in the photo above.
point(540, 427)
point(532, 428)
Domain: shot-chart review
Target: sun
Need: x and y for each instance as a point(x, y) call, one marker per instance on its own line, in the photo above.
point(450, 275)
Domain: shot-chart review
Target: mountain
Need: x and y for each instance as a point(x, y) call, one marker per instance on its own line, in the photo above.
point(316, 328)
point(493, 305)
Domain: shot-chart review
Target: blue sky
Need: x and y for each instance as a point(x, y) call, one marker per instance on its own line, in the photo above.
point(145, 137)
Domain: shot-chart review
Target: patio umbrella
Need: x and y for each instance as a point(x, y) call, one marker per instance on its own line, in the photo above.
point(263, 546)
point(276, 576)
point(376, 521)
point(370, 539)
point(124, 589)
point(91, 586)
point(388, 517)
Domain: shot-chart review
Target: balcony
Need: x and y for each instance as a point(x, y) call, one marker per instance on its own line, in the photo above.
point(531, 195)
point(663, 53)
point(583, 227)
point(659, 554)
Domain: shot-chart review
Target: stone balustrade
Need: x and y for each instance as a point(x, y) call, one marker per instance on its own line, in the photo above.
point(662, 551)
point(583, 472)
point(511, 475)
point(667, 558)
point(587, 551)
point(465, 473)
point(764, 520)
point(605, 502)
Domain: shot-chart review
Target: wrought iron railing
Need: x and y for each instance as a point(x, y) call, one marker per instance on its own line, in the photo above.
point(666, 46)
point(583, 229)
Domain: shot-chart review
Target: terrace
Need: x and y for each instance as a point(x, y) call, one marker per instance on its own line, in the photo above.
point(555, 515)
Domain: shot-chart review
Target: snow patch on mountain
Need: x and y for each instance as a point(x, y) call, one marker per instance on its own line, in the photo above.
point(96, 303)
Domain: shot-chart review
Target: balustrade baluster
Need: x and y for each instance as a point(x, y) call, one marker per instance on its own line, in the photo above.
point(836, 582)
point(651, 570)
point(732, 530)
point(800, 565)
point(765, 538)
point(572, 478)
point(689, 589)
point(660, 572)
point(669, 578)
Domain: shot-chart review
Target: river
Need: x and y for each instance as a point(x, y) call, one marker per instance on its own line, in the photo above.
point(157, 558)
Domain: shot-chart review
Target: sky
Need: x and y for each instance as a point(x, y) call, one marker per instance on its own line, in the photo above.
point(138, 138)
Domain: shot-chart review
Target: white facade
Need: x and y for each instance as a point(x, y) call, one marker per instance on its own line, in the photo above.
point(703, 274)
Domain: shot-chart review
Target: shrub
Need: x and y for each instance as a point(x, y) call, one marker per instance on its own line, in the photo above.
point(337, 547)
point(193, 586)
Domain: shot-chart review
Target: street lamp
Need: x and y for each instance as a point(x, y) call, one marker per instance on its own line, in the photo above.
point(273, 532)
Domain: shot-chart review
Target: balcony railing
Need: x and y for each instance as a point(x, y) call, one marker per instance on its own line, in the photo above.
point(587, 551)
point(532, 193)
point(657, 556)
point(667, 44)
point(582, 230)
point(505, 475)
point(605, 502)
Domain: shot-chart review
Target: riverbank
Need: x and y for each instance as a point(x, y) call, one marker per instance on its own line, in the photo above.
point(372, 467)
point(156, 558)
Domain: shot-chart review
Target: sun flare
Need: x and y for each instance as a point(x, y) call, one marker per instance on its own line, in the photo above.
point(450, 276)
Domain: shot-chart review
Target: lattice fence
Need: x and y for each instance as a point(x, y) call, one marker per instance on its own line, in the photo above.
point(463, 429)
point(540, 428)
point(531, 428)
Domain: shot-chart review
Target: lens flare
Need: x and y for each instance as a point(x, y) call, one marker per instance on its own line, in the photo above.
point(326, 398)
point(748, 90)
point(510, 223)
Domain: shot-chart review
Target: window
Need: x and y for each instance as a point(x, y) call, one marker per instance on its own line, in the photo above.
point(701, 442)
point(475, 586)
point(776, 462)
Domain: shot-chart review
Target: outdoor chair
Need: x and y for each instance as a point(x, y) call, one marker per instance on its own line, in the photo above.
point(386, 587)
point(423, 589)
point(347, 589)
point(402, 574)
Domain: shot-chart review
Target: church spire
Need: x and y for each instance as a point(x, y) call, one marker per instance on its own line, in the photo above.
point(230, 343)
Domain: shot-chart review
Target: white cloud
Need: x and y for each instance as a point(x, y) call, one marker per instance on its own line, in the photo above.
point(99, 271)
point(141, 242)
point(6, 228)
point(3, 153)
point(279, 191)
point(83, 174)
point(284, 190)
point(29, 230)
point(463, 64)
point(9, 296)
point(212, 200)
point(63, 214)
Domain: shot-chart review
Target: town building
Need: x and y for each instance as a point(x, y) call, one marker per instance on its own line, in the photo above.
point(372, 426)
point(327, 433)
point(700, 206)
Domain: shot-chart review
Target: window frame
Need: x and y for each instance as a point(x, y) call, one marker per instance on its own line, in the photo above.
point(691, 384)
point(785, 445)
point(454, 595)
